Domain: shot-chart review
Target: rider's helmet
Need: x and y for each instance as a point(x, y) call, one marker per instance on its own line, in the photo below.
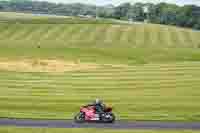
point(98, 101)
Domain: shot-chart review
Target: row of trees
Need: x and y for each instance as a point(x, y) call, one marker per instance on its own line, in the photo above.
point(163, 13)
point(47, 8)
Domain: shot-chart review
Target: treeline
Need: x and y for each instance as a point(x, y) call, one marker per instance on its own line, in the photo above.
point(163, 13)
point(47, 8)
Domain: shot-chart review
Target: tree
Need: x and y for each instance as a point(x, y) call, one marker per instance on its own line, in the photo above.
point(138, 12)
point(121, 12)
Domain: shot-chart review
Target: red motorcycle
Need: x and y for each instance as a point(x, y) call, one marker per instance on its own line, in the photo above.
point(88, 114)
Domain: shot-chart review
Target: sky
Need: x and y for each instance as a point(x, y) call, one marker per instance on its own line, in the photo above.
point(117, 2)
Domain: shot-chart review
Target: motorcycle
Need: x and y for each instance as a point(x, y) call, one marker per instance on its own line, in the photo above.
point(88, 114)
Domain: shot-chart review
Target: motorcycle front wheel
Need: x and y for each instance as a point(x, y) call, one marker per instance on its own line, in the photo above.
point(79, 118)
point(108, 118)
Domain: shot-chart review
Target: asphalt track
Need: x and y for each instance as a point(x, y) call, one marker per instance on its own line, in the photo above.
point(117, 125)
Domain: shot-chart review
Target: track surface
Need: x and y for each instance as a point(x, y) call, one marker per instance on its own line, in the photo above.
point(116, 125)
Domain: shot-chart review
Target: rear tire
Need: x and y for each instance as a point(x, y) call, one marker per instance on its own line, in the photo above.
point(79, 118)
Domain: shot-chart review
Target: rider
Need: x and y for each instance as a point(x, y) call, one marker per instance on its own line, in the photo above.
point(99, 106)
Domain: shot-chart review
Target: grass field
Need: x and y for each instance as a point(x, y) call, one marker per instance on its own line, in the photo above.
point(103, 43)
point(147, 72)
point(148, 92)
point(42, 130)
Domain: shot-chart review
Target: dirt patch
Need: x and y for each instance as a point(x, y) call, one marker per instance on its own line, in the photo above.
point(45, 66)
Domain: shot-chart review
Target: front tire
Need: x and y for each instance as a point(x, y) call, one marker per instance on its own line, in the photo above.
point(108, 118)
point(79, 118)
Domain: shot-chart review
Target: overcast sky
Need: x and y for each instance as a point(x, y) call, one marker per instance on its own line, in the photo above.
point(116, 2)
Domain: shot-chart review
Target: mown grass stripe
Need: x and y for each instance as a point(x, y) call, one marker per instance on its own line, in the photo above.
point(51, 28)
point(139, 36)
point(80, 34)
point(30, 29)
point(3, 30)
point(124, 35)
point(134, 85)
point(10, 31)
point(35, 32)
point(100, 34)
point(55, 32)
